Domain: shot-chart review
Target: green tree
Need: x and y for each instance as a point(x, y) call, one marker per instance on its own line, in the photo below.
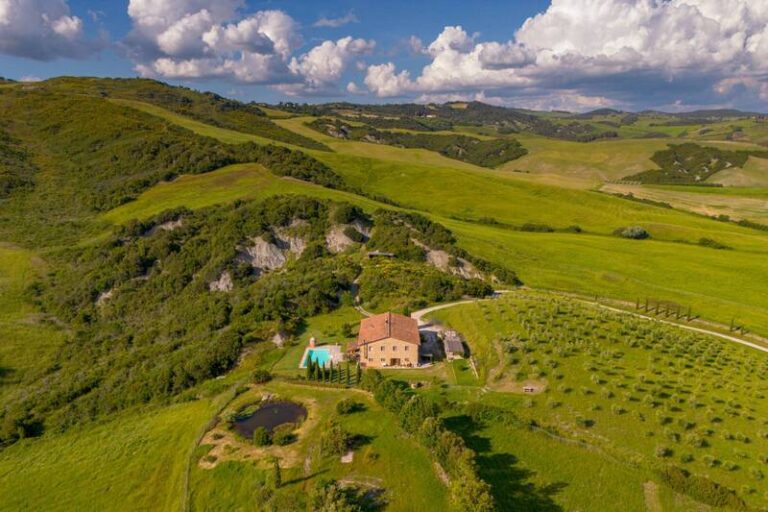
point(334, 440)
point(330, 497)
point(277, 477)
point(471, 495)
point(260, 436)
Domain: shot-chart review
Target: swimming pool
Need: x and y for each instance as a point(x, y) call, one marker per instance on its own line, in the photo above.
point(321, 355)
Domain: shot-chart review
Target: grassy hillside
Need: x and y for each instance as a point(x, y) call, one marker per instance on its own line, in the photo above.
point(75, 163)
point(574, 262)
point(136, 461)
point(692, 164)
point(482, 152)
point(642, 394)
point(207, 107)
point(28, 340)
point(176, 241)
point(736, 203)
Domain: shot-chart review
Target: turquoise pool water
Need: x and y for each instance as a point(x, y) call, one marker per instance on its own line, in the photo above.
point(321, 356)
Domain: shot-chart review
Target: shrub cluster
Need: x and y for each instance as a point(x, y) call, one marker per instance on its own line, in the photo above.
point(701, 488)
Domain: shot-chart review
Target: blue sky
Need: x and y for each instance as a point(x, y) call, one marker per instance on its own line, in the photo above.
point(564, 54)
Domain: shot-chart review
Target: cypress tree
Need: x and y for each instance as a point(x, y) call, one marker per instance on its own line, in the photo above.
point(309, 370)
point(330, 373)
point(277, 477)
point(347, 372)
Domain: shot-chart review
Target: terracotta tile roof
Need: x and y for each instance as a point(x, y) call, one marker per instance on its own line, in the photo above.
point(388, 325)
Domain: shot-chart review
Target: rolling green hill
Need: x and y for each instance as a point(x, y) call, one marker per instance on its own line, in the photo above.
point(150, 254)
point(209, 108)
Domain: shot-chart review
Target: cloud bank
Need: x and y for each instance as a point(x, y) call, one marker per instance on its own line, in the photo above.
point(577, 54)
point(582, 52)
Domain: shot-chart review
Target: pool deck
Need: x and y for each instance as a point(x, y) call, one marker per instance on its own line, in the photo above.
point(334, 351)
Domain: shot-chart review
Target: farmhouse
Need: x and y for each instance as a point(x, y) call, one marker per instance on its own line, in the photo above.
point(387, 340)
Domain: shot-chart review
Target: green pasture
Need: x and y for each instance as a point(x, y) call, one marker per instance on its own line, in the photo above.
point(704, 279)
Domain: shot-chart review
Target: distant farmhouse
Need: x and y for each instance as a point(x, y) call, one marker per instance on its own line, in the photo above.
point(387, 340)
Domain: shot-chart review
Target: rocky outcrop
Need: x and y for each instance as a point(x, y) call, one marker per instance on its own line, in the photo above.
point(104, 297)
point(262, 255)
point(362, 228)
point(290, 242)
point(337, 239)
point(279, 339)
point(222, 284)
point(451, 264)
point(166, 226)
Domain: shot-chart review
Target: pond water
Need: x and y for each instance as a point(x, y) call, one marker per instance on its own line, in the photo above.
point(270, 416)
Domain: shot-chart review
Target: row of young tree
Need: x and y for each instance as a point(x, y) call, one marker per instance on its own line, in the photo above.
point(333, 374)
point(420, 417)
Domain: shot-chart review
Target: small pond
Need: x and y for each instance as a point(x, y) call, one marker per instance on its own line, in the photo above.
point(270, 416)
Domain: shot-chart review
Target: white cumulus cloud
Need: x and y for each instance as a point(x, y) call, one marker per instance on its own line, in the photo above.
point(205, 39)
point(324, 64)
point(42, 30)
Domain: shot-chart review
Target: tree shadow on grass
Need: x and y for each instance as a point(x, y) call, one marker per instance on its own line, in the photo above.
point(510, 484)
point(5, 373)
point(357, 441)
point(305, 478)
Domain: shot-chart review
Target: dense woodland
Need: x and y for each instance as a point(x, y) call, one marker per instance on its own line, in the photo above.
point(485, 153)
